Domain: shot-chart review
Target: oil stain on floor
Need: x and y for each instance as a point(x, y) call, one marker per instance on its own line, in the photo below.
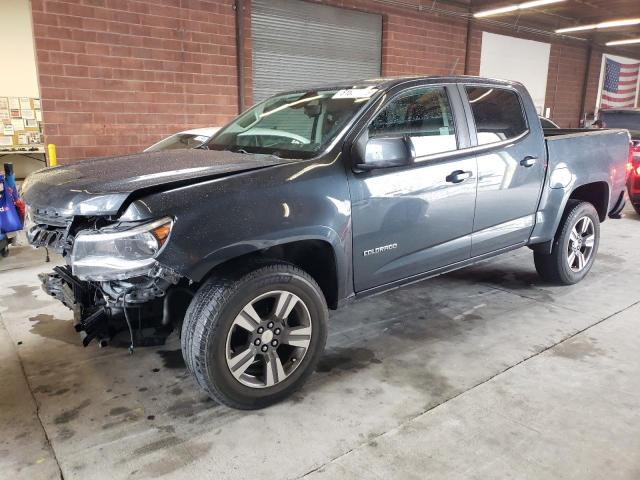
point(48, 326)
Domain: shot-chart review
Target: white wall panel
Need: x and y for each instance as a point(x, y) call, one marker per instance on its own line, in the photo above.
point(19, 77)
point(511, 58)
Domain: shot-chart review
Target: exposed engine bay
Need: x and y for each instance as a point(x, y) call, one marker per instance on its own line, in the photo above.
point(111, 280)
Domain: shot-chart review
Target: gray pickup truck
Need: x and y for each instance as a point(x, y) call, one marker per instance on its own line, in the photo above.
point(310, 199)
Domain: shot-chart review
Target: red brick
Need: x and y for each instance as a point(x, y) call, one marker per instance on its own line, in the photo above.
point(105, 65)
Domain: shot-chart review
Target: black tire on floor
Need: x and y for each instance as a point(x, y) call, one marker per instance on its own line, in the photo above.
point(636, 208)
point(211, 315)
point(555, 267)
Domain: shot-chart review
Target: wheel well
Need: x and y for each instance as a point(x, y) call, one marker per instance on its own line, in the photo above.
point(597, 194)
point(316, 257)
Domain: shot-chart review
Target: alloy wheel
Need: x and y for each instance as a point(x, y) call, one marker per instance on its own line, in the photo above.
point(581, 243)
point(268, 339)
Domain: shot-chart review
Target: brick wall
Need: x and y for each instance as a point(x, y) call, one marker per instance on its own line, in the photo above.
point(565, 84)
point(593, 82)
point(117, 75)
point(422, 45)
point(473, 55)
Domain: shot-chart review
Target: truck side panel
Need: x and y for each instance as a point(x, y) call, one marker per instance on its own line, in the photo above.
point(225, 218)
point(575, 160)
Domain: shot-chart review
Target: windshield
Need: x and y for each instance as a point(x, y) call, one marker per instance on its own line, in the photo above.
point(295, 125)
point(179, 141)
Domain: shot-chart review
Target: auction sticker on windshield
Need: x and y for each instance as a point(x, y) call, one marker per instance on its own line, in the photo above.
point(355, 93)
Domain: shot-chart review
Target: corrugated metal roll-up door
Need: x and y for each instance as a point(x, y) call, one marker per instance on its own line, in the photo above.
point(298, 44)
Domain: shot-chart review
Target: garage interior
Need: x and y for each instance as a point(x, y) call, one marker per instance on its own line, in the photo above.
point(487, 372)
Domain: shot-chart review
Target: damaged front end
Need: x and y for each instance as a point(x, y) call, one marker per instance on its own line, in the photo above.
point(112, 281)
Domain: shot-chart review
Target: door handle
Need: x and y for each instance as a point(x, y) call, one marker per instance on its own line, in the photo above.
point(458, 176)
point(528, 161)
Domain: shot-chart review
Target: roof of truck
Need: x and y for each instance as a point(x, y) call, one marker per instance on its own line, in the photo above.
point(389, 82)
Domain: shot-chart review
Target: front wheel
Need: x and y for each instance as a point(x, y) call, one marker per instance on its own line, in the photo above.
point(575, 245)
point(252, 341)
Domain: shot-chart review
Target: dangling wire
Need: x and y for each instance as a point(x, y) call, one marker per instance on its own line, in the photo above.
point(126, 317)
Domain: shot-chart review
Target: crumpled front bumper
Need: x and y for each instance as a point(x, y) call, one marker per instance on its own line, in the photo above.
point(54, 284)
point(91, 320)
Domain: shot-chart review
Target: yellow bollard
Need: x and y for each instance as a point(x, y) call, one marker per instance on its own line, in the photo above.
point(53, 161)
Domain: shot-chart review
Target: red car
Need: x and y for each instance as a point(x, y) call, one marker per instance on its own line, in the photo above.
point(628, 118)
point(633, 182)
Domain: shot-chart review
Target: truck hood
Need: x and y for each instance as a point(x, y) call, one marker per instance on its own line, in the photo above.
point(101, 186)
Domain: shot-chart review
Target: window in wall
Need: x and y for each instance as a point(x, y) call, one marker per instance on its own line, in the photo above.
point(423, 114)
point(497, 112)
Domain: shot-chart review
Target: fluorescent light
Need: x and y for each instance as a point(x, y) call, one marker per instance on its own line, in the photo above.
point(596, 26)
point(513, 8)
point(624, 42)
point(619, 23)
point(576, 29)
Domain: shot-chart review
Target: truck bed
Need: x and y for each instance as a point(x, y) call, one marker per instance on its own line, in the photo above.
point(591, 154)
point(554, 132)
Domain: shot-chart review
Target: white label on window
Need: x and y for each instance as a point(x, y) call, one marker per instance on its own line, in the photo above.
point(444, 130)
point(355, 93)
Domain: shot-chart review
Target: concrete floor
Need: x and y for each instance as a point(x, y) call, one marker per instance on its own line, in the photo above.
point(483, 373)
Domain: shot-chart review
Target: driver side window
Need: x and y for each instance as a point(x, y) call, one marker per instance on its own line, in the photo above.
point(424, 115)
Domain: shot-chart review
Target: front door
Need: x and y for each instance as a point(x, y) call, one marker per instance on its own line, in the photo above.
point(414, 219)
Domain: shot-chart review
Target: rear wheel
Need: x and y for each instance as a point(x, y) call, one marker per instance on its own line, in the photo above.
point(636, 208)
point(575, 245)
point(252, 341)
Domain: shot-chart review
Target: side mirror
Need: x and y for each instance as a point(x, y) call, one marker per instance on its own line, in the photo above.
point(383, 152)
point(312, 110)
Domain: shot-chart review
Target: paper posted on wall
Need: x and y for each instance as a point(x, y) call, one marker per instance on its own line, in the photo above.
point(18, 124)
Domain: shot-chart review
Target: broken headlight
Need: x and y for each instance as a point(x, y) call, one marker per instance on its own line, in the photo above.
point(118, 254)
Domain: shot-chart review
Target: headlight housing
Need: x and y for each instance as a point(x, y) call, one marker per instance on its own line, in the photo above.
point(116, 255)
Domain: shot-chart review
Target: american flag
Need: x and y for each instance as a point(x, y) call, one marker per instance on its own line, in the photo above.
point(620, 84)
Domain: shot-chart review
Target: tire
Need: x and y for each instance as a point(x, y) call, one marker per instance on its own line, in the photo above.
point(223, 345)
point(636, 208)
point(556, 268)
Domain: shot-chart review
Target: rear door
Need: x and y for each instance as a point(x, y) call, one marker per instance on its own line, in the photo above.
point(413, 219)
point(511, 165)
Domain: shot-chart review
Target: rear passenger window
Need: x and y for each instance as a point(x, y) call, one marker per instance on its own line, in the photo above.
point(424, 114)
point(497, 112)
